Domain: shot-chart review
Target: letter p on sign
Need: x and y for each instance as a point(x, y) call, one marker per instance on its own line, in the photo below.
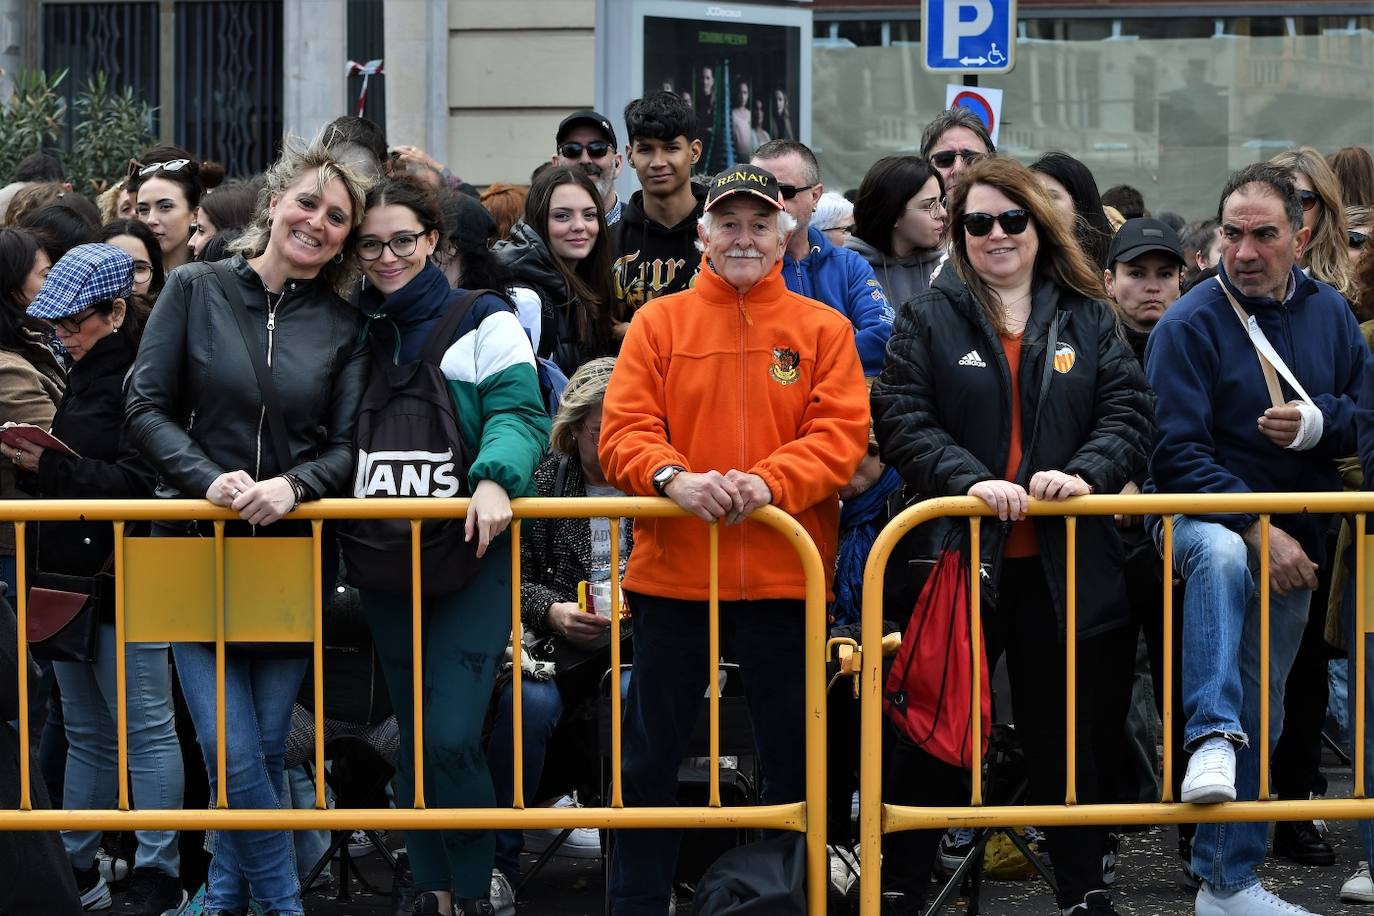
point(956, 27)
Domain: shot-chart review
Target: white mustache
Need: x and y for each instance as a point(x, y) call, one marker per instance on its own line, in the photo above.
point(744, 253)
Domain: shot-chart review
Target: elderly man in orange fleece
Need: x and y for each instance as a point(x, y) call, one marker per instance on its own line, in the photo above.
point(729, 396)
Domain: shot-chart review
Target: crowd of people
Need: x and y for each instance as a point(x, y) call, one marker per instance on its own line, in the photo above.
point(959, 324)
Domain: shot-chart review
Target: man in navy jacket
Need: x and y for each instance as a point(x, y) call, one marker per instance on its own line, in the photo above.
point(1220, 431)
point(814, 268)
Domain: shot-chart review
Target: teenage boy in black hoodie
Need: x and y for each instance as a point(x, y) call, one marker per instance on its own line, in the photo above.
point(654, 244)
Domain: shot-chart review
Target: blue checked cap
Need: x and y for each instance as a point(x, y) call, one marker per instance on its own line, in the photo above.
point(82, 277)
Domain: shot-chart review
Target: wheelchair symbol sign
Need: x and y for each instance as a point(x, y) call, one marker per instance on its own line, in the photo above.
point(968, 36)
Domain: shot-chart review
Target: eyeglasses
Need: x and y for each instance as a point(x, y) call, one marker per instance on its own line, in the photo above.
point(143, 271)
point(929, 206)
point(1013, 222)
point(175, 165)
point(945, 158)
point(596, 149)
point(402, 246)
point(791, 191)
point(72, 324)
point(1308, 199)
point(1357, 239)
point(844, 230)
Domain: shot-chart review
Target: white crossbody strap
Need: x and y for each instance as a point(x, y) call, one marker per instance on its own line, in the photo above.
point(1270, 361)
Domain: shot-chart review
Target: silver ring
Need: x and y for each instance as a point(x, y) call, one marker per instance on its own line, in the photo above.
point(234, 493)
point(15, 457)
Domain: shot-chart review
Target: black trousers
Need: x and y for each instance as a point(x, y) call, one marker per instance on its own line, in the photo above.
point(1025, 627)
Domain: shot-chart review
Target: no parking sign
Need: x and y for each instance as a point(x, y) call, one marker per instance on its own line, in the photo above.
point(985, 103)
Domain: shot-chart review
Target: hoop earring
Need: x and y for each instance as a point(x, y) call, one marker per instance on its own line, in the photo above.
point(338, 258)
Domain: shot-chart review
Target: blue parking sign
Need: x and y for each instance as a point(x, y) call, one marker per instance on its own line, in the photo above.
point(968, 36)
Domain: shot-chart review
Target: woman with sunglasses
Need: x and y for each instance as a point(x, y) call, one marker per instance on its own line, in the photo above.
point(899, 224)
point(491, 373)
point(198, 416)
point(1327, 254)
point(1008, 379)
point(168, 194)
point(136, 240)
point(560, 253)
point(1359, 221)
point(89, 300)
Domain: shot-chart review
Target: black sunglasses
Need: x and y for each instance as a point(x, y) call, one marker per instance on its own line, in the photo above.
point(1357, 239)
point(1308, 199)
point(596, 149)
point(790, 191)
point(945, 158)
point(1013, 222)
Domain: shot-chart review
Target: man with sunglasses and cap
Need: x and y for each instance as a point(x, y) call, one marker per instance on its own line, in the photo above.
point(1257, 377)
point(729, 396)
point(815, 268)
point(586, 140)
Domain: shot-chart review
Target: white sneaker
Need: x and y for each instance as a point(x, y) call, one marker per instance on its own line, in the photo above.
point(582, 843)
point(1252, 901)
point(1211, 775)
point(1358, 888)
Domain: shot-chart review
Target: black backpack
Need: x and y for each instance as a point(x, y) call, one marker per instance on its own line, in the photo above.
point(408, 443)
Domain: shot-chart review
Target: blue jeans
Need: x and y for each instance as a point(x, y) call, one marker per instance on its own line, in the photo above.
point(667, 693)
point(542, 707)
point(1221, 667)
point(88, 706)
point(298, 792)
point(259, 692)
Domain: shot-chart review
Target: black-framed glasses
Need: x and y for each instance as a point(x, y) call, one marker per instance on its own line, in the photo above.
point(928, 206)
point(596, 149)
point(1013, 222)
point(1308, 199)
point(402, 246)
point(1356, 239)
point(790, 191)
point(143, 271)
point(72, 324)
point(945, 158)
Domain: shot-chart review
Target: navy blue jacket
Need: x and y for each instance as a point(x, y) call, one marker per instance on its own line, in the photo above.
point(843, 280)
point(1211, 392)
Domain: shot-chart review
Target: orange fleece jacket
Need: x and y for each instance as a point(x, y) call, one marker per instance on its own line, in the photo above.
point(768, 383)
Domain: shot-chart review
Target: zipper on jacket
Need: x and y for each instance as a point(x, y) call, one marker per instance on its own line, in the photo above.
point(742, 357)
point(262, 411)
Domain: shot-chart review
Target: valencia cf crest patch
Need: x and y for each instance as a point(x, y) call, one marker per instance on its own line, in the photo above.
point(1064, 358)
point(784, 369)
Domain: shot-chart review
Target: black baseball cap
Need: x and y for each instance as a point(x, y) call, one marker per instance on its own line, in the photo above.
point(589, 118)
point(1142, 236)
point(744, 179)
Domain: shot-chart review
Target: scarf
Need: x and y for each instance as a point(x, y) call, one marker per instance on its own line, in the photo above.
point(860, 519)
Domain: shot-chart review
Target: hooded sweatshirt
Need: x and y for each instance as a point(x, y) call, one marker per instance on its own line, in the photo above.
point(843, 280)
point(901, 278)
point(1210, 389)
point(649, 259)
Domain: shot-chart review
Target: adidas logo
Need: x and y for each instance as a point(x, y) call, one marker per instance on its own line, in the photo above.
point(971, 358)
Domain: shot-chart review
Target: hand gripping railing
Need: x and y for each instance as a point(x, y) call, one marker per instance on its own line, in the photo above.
point(877, 819)
point(269, 589)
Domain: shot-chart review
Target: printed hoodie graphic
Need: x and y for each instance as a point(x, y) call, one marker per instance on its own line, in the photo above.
point(652, 260)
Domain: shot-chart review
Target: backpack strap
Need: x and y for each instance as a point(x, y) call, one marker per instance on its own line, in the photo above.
point(441, 338)
point(266, 389)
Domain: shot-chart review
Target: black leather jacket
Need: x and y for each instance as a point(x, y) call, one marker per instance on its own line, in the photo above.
point(193, 407)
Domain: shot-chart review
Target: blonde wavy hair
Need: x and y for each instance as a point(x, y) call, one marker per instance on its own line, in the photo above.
point(1060, 258)
point(297, 158)
point(586, 389)
point(1326, 257)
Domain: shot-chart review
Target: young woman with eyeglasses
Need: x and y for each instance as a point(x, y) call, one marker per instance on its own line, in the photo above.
point(1327, 254)
point(1008, 379)
point(491, 373)
point(899, 224)
point(138, 242)
point(168, 194)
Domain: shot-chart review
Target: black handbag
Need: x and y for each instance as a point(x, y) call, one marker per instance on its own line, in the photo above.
point(63, 614)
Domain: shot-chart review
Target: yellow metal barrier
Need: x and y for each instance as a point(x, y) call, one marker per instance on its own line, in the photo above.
point(227, 589)
point(877, 818)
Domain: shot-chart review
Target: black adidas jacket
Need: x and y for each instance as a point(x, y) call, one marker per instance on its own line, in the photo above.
point(942, 414)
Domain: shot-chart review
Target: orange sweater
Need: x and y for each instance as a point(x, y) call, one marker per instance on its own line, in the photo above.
point(767, 383)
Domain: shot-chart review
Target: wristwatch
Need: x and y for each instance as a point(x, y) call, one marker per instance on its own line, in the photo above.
point(664, 475)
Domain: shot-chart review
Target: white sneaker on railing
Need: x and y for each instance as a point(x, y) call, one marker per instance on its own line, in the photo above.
point(1358, 888)
point(1252, 901)
point(1211, 775)
point(582, 843)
